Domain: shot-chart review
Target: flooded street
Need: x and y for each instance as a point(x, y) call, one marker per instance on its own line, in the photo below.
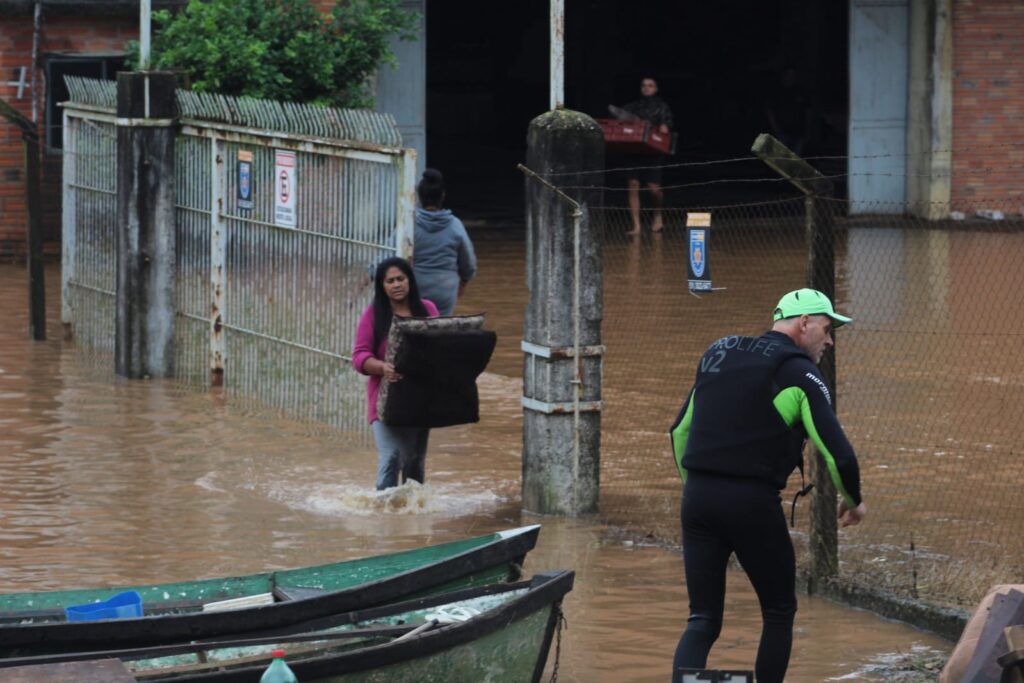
point(107, 481)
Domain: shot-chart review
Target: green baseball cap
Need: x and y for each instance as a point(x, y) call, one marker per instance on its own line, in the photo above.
point(810, 302)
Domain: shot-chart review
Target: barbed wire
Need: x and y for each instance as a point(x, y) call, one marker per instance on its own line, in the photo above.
point(977, 206)
point(986, 169)
point(701, 207)
point(733, 160)
point(719, 181)
point(700, 183)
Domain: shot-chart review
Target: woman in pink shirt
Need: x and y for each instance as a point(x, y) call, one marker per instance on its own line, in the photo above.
point(394, 293)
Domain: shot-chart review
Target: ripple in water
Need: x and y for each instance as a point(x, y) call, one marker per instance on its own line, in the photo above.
point(411, 498)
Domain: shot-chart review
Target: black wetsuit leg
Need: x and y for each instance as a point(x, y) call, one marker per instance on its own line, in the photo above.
point(722, 515)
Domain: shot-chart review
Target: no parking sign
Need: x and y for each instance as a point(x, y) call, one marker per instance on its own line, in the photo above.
point(285, 188)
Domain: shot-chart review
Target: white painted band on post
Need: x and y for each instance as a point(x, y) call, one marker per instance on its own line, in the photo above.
point(561, 351)
point(566, 407)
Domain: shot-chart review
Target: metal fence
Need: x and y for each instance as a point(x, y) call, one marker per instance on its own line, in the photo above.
point(930, 377)
point(267, 299)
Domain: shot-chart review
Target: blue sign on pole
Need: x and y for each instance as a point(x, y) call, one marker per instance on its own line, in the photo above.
point(245, 180)
point(698, 271)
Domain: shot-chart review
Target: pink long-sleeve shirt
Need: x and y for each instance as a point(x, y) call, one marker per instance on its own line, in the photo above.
point(363, 351)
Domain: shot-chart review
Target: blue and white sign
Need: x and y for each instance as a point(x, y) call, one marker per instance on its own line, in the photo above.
point(244, 180)
point(698, 269)
point(698, 251)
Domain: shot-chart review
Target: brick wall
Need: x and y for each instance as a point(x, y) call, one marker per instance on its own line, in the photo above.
point(988, 104)
point(63, 34)
point(15, 51)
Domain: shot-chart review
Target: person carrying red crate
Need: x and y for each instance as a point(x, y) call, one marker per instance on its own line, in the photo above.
point(646, 169)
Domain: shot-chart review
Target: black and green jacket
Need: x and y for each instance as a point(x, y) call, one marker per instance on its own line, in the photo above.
point(754, 403)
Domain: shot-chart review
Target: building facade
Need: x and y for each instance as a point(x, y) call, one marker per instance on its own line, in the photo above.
point(935, 115)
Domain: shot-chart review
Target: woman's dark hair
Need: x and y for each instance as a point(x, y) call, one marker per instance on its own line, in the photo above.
point(382, 313)
point(431, 188)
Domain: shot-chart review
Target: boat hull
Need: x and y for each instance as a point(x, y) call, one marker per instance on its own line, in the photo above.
point(368, 582)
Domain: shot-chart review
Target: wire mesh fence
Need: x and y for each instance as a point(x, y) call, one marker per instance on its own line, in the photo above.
point(930, 376)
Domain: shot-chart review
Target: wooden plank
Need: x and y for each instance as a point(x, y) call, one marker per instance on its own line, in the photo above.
point(96, 671)
point(238, 603)
point(783, 161)
point(1014, 637)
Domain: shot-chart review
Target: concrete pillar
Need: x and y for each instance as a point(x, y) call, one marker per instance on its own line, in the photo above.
point(562, 330)
point(930, 108)
point(146, 123)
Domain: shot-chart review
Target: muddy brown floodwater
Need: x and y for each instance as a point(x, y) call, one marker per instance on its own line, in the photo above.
point(107, 481)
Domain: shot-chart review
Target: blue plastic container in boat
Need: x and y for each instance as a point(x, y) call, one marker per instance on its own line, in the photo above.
point(121, 606)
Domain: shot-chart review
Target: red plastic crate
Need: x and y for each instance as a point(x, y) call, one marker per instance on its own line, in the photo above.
point(635, 137)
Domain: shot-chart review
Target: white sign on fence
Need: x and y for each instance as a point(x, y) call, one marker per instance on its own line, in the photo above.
point(286, 182)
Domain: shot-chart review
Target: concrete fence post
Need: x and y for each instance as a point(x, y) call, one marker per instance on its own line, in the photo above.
point(562, 330)
point(144, 327)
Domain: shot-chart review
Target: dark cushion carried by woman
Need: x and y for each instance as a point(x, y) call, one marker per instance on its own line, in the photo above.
point(440, 359)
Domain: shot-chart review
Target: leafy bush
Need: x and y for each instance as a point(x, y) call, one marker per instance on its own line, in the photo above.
point(280, 49)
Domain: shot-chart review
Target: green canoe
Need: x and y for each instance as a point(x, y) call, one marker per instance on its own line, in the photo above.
point(34, 623)
point(499, 633)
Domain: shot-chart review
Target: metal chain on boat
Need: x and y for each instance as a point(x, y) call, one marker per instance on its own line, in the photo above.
point(558, 644)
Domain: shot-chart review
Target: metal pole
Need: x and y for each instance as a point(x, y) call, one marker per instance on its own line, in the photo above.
point(577, 379)
point(557, 54)
point(68, 222)
point(36, 27)
point(36, 286)
point(144, 32)
point(406, 216)
point(218, 262)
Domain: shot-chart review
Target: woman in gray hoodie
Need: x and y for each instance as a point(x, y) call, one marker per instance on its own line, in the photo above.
point(443, 259)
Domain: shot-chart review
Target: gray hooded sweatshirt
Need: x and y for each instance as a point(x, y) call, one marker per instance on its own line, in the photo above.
point(443, 256)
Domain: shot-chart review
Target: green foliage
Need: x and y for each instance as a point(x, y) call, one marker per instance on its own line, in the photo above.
point(280, 49)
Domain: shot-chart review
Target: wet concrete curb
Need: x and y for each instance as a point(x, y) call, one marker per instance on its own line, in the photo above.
point(945, 622)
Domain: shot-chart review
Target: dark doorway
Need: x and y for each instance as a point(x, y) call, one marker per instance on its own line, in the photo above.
point(719, 66)
point(487, 77)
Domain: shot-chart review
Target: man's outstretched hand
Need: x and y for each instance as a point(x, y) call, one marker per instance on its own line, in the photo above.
point(849, 516)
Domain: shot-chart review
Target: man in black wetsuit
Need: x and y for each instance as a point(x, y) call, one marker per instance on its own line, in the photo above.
point(737, 439)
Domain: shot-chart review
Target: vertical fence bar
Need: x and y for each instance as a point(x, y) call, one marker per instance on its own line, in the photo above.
point(218, 263)
point(405, 216)
point(36, 275)
point(68, 215)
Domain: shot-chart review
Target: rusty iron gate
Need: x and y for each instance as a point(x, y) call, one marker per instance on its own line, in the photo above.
point(281, 211)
